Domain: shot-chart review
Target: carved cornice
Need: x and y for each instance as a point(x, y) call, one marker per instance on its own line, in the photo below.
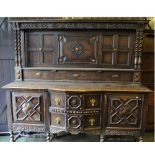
point(76, 25)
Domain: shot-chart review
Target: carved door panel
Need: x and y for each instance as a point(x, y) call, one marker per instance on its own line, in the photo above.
point(28, 107)
point(41, 48)
point(125, 110)
point(78, 48)
point(116, 49)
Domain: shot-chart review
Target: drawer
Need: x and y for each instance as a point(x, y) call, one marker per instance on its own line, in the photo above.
point(92, 121)
point(79, 75)
point(74, 122)
point(58, 100)
point(74, 101)
point(58, 119)
point(92, 101)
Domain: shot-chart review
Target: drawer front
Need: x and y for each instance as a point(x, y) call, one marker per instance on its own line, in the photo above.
point(77, 48)
point(28, 107)
point(74, 122)
point(79, 75)
point(74, 101)
point(125, 110)
point(58, 120)
point(92, 121)
point(92, 101)
point(58, 100)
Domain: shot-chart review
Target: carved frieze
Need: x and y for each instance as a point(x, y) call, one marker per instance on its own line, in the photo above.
point(121, 132)
point(28, 128)
point(78, 25)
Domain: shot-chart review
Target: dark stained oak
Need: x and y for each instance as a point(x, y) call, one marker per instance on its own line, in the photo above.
point(78, 76)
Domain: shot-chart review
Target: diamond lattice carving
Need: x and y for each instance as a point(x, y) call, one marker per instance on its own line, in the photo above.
point(28, 108)
point(124, 111)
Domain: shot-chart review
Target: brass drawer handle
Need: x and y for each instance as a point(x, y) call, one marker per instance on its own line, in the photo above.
point(57, 120)
point(92, 121)
point(115, 76)
point(93, 102)
point(57, 101)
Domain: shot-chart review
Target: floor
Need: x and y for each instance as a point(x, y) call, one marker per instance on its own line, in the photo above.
point(148, 137)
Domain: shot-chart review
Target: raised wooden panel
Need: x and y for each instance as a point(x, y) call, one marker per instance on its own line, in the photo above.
point(122, 58)
point(34, 41)
point(108, 42)
point(124, 42)
point(34, 57)
point(76, 48)
point(41, 49)
point(28, 107)
point(125, 110)
point(116, 49)
point(107, 58)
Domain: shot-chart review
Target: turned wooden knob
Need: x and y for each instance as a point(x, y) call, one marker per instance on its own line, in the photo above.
point(76, 75)
point(93, 60)
point(38, 74)
point(115, 76)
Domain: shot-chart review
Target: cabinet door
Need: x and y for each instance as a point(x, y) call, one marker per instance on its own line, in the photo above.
point(28, 107)
point(125, 110)
point(116, 49)
point(78, 48)
point(41, 48)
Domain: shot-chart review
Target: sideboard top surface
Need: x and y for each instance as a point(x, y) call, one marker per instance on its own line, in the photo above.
point(78, 86)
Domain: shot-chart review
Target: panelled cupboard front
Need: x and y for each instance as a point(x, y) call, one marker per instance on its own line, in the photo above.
point(77, 76)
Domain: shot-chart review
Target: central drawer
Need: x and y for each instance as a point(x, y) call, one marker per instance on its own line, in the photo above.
point(113, 76)
point(75, 112)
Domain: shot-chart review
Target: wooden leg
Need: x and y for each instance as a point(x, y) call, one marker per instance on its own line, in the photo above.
point(140, 139)
point(11, 137)
point(48, 137)
point(102, 138)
